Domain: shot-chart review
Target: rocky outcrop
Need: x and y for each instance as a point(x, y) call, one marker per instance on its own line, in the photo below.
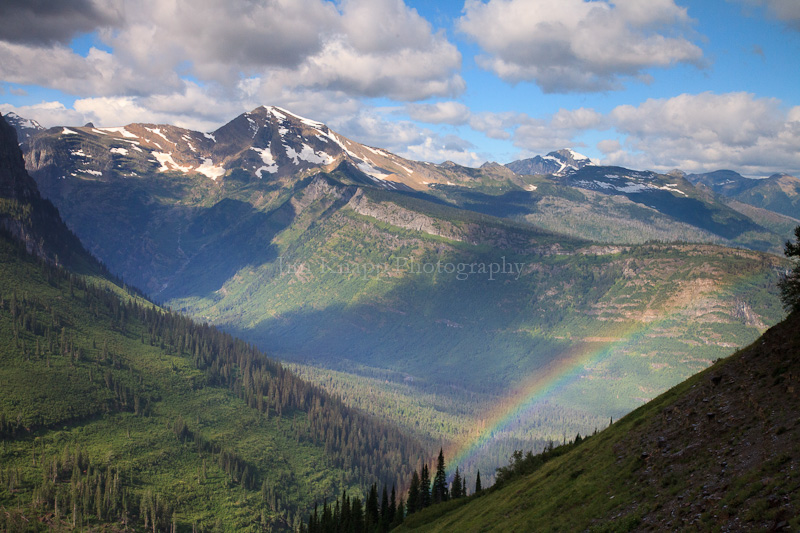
point(401, 217)
point(14, 180)
point(29, 218)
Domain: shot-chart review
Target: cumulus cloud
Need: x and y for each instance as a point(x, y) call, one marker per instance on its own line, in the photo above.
point(48, 114)
point(709, 131)
point(450, 112)
point(372, 48)
point(787, 11)
point(438, 149)
point(46, 22)
point(541, 135)
point(693, 132)
point(407, 139)
point(575, 45)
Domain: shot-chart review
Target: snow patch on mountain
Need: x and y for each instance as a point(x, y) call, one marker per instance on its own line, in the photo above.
point(308, 154)
point(92, 172)
point(282, 113)
point(167, 163)
point(158, 132)
point(269, 161)
point(210, 170)
point(122, 131)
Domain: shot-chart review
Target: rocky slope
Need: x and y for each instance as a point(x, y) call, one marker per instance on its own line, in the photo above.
point(29, 218)
point(718, 452)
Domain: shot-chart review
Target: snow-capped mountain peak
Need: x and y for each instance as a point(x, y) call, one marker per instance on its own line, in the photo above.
point(25, 127)
point(557, 163)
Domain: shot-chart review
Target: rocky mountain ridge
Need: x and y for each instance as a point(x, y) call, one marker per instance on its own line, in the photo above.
point(557, 163)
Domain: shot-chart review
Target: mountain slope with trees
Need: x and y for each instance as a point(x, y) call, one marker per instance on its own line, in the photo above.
point(115, 411)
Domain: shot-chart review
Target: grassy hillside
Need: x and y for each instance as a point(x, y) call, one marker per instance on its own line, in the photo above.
point(114, 411)
point(718, 452)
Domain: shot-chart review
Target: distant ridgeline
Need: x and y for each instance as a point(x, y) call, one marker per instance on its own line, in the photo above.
point(115, 411)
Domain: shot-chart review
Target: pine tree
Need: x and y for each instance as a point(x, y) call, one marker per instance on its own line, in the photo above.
point(478, 487)
point(413, 494)
point(424, 489)
point(385, 521)
point(464, 487)
point(399, 515)
point(392, 506)
point(790, 285)
point(371, 514)
point(440, 493)
point(356, 515)
point(455, 492)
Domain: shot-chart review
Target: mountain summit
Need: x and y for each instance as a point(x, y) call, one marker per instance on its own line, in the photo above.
point(267, 143)
point(558, 163)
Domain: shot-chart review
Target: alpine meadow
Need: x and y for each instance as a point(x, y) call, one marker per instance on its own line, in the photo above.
point(373, 265)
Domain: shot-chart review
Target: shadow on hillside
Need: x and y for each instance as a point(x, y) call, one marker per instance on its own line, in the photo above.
point(222, 240)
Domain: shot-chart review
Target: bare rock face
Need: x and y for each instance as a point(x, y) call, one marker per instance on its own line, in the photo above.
point(14, 180)
point(29, 218)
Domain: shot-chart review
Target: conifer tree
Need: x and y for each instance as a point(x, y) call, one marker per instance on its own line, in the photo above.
point(392, 506)
point(424, 489)
point(413, 494)
point(384, 521)
point(455, 492)
point(345, 512)
point(790, 285)
point(440, 493)
point(371, 514)
point(399, 515)
point(356, 515)
point(478, 487)
point(464, 487)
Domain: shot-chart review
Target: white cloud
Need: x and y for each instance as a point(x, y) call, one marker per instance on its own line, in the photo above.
point(46, 23)
point(609, 146)
point(406, 139)
point(497, 125)
point(437, 150)
point(48, 114)
point(372, 48)
point(707, 131)
point(542, 135)
point(787, 11)
point(575, 45)
point(449, 112)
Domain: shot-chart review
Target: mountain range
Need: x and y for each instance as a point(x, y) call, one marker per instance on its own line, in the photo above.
point(484, 309)
point(344, 258)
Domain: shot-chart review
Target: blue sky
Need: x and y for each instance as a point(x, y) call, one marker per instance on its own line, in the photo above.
point(659, 84)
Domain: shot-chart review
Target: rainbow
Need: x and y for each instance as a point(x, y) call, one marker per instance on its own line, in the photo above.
point(567, 368)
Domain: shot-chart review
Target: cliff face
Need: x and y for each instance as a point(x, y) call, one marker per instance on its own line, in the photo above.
point(14, 180)
point(29, 218)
